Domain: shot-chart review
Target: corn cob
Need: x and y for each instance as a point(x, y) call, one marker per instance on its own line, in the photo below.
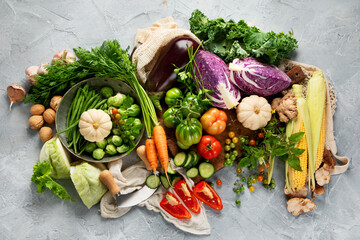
point(296, 180)
point(315, 99)
point(320, 150)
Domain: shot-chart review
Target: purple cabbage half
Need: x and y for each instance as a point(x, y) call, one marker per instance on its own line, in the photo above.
point(215, 76)
point(254, 77)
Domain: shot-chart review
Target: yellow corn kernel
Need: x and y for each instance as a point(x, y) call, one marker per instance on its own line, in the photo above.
point(300, 176)
point(320, 150)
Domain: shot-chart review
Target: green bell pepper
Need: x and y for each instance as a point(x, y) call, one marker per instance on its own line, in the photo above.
point(173, 97)
point(172, 117)
point(191, 102)
point(188, 132)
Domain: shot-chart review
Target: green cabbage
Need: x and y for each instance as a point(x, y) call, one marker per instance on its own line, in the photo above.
point(54, 153)
point(87, 183)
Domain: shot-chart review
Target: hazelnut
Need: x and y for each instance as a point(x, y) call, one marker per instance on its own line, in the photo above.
point(55, 101)
point(49, 116)
point(37, 109)
point(46, 134)
point(36, 121)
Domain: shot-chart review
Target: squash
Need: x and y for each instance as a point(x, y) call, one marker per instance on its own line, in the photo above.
point(95, 125)
point(254, 112)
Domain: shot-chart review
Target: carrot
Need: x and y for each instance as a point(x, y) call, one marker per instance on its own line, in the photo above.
point(151, 154)
point(161, 147)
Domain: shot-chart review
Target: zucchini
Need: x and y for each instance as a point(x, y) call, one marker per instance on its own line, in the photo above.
point(180, 159)
point(192, 172)
point(170, 170)
point(206, 170)
point(189, 160)
point(164, 182)
point(175, 180)
point(195, 158)
point(153, 181)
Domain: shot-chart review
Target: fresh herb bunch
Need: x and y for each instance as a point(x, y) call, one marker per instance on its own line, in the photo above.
point(230, 40)
point(274, 144)
point(109, 60)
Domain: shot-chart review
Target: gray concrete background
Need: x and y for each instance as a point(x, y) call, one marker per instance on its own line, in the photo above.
point(32, 31)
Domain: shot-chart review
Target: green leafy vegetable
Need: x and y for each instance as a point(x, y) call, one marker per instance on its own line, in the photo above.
point(41, 177)
point(230, 40)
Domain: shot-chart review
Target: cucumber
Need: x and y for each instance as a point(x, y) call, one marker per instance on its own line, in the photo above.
point(206, 170)
point(195, 158)
point(175, 180)
point(153, 181)
point(164, 182)
point(170, 170)
point(192, 172)
point(180, 159)
point(189, 160)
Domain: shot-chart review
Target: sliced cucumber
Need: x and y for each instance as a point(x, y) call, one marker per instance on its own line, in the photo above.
point(195, 158)
point(206, 170)
point(189, 160)
point(192, 172)
point(153, 181)
point(164, 182)
point(180, 159)
point(170, 170)
point(175, 180)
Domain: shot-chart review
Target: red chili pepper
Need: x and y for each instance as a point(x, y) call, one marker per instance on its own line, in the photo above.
point(174, 207)
point(187, 196)
point(205, 193)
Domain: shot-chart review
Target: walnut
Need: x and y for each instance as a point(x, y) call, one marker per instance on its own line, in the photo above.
point(36, 121)
point(299, 205)
point(322, 175)
point(49, 116)
point(55, 101)
point(295, 194)
point(37, 109)
point(285, 107)
point(46, 134)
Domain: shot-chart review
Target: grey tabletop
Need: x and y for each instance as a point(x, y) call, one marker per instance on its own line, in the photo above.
point(328, 32)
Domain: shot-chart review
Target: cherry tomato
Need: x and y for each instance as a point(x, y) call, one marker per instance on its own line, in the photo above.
point(218, 182)
point(231, 134)
point(252, 142)
point(260, 135)
point(261, 168)
point(114, 111)
point(235, 140)
point(228, 141)
point(209, 147)
point(117, 116)
point(238, 170)
point(251, 188)
point(267, 165)
point(254, 180)
point(260, 178)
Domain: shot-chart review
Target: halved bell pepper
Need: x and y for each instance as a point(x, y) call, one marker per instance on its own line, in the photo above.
point(174, 207)
point(186, 195)
point(205, 193)
point(214, 121)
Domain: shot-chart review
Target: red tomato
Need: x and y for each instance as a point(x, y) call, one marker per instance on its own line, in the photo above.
point(174, 207)
point(187, 196)
point(209, 147)
point(252, 142)
point(260, 135)
point(205, 193)
point(114, 111)
point(218, 182)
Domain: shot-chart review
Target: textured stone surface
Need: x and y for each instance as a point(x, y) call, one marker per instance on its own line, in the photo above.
point(31, 31)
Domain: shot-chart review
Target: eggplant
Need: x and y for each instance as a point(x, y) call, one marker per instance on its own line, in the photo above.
point(174, 55)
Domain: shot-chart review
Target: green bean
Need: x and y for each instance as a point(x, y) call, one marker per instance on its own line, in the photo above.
point(100, 103)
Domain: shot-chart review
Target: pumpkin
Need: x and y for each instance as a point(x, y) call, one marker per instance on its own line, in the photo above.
point(254, 112)
point(95, 125)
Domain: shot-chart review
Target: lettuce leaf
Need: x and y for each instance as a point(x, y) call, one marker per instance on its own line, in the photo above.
point(230, 40)
point(41, 177)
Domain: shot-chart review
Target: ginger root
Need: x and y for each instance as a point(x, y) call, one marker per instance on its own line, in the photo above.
point(322, 175)
point(285, 107)
point(299, 205)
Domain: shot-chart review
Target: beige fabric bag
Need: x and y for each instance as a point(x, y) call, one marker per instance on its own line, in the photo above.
point(151, 40)
point(330, 143)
